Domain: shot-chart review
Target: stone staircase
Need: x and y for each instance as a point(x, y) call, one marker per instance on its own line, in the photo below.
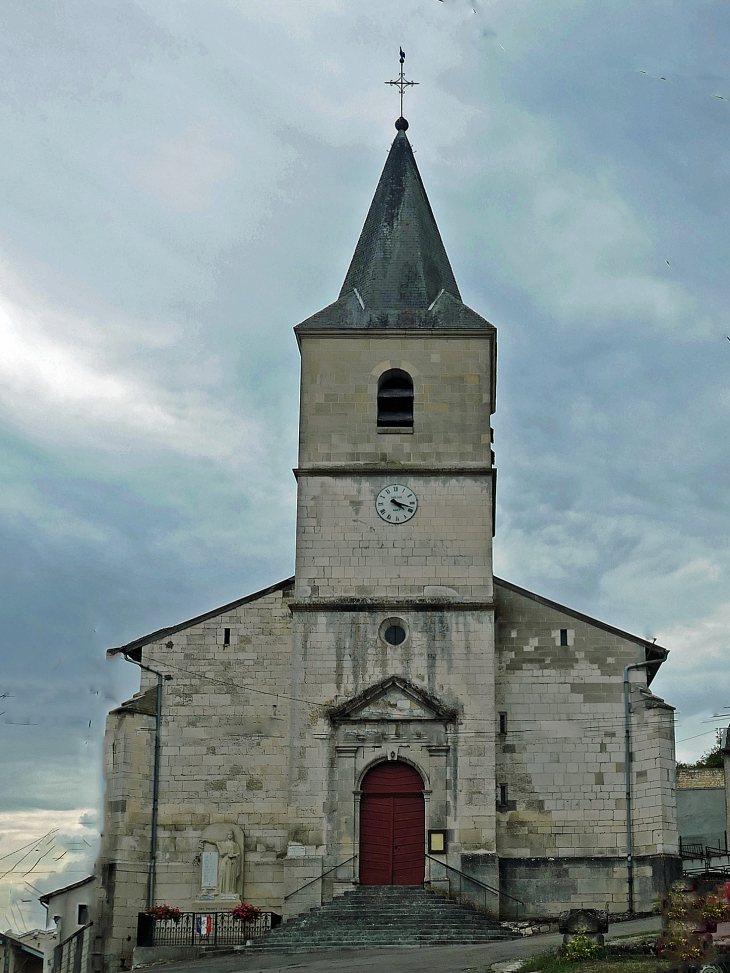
point(383, 915)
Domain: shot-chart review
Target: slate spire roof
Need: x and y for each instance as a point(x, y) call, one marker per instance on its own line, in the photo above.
point(400, 277)
point(400, 260)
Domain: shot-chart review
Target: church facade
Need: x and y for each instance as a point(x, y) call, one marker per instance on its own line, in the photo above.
point(393, 713)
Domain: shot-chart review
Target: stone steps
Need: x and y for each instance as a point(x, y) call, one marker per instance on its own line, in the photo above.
point(378, 916)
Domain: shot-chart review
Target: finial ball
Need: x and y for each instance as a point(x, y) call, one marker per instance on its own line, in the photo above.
point(401, 124)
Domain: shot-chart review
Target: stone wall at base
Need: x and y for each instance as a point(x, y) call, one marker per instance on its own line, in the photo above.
point(549, 887)
point(485, 868)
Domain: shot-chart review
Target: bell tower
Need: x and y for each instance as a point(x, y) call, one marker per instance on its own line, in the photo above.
point(394, 539)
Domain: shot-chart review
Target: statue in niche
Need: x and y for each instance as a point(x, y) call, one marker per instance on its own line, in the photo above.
point(229, 865)
point(221, 859)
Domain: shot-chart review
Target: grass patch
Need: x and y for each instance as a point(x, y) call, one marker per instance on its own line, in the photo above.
point(552, 963)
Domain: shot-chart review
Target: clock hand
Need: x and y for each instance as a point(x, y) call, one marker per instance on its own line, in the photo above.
point(398, 503)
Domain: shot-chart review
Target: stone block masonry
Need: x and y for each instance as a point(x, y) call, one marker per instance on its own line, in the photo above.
point(452, 385)
point(562, 755)
point(224, 759)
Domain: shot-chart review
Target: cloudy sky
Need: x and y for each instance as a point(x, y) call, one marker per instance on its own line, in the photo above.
point(182, 182)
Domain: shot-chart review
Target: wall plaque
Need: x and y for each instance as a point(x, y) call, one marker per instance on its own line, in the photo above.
point(209, 878)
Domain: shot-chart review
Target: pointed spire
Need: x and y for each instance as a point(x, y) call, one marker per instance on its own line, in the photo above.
point(400, 278)
point(400, 262)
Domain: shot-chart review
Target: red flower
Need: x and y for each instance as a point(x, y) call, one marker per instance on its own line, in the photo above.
point(165, 912)
point(246, 912)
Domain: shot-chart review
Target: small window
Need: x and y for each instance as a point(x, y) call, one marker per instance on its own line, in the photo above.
point(226, 636)
point(563, 636)
point(395, 398)
point(394, 631)
point(502, 722)
point(394, 634)
point(503, 795)
point(83, 915)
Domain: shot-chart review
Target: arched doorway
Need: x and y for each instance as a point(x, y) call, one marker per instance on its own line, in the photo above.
point(392, 826)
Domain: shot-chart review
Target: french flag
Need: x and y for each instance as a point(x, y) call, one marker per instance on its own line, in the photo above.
point(203, 925)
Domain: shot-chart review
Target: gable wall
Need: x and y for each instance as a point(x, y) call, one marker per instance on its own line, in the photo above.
point(562, 756)
point(225, 750)
point(224, 759)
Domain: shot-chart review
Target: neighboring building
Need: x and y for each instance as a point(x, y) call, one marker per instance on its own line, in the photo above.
point(393, 706)
point(701, 807)
point(22, 952)
point(703, 802)
point(71, 909)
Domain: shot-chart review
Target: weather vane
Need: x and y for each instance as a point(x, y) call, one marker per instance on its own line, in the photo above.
point(402, 84)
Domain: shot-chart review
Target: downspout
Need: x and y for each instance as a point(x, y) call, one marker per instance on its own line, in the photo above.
point(155, 778)
point(627, 765)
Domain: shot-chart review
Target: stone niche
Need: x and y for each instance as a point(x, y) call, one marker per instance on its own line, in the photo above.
point(220, 877)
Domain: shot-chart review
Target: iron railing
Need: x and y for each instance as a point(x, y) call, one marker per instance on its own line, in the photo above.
point(72, 955)
point(691, 849)
point(320, 877)
point(699, 849)
point(467, 890)
point(716, 859)
point(202, 929)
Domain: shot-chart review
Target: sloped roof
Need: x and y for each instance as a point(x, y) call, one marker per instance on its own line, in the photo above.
point(47, 896)
point(6, 937)
point(400, 260)
point(655, 654)
point(400, 276)
point(134, 648)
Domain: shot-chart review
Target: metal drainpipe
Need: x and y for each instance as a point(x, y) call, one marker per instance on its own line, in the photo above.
point(627, 764)
point(155, 778)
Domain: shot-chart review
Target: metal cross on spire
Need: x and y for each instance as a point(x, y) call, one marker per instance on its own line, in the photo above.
point(402, 84)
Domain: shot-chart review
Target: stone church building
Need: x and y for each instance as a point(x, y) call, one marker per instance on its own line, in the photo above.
point(393, 708)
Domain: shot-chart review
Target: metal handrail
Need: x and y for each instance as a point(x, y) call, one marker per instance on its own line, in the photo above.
point(476, 881)
point(320, 877)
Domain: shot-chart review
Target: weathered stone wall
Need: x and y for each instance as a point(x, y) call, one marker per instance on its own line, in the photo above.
point(344, 549)
point(447, 654)
point(452, 385)
point(224, 760)
point(701, 805)
point(654, 799)
point(549, 887)
point(700, 778)
point(562, 757)
point(124, 854)
point(225, 745)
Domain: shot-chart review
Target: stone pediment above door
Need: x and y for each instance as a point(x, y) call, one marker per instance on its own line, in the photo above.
point(393, 698)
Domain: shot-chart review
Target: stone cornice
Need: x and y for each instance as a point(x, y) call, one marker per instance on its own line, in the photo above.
point(390, 604)
point(486, 331)
point(406, 469)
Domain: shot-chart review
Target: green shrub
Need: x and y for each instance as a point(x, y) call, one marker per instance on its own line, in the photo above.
point(580, 948)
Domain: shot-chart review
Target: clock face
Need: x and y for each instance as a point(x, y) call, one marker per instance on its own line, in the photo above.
point(396, 503)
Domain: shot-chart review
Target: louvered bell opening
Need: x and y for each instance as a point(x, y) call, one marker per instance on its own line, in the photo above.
point(395, 399)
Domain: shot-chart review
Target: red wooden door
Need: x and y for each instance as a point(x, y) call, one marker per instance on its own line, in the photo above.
point(392, 826)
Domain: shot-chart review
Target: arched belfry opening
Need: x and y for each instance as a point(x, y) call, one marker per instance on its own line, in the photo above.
point(395, 398)
point(392, 826)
